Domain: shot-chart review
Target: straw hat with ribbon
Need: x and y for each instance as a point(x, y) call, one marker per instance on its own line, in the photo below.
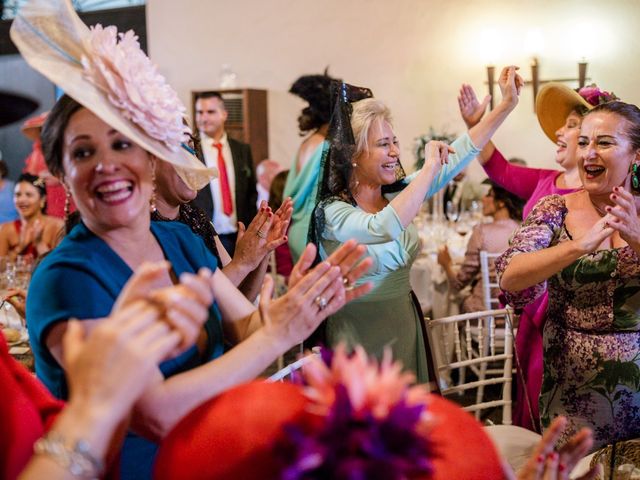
point(108, 73)
point(352, 418)
point(556, 101)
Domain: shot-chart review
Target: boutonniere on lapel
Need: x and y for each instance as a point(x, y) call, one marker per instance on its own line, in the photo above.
point(246, 170)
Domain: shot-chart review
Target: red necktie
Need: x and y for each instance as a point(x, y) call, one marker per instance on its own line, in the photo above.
point(225, 191)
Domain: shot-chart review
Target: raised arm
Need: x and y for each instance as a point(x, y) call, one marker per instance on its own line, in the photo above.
point(467, 147)
point(344, 221)
point(519, 180)
point(472, 111)
point(482, 127)
point(510, 84)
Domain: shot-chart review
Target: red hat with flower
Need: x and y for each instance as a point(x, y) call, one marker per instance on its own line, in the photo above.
point(31, 127)
point(555, 101)
point(351, 418)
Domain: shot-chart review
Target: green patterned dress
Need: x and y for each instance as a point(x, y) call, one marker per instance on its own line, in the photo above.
point(592, 334)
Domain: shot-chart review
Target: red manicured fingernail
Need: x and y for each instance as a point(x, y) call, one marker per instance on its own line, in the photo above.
point(608, 209)
point(540, 458)
point(614, 196)
point(562, 467)
point(615, 189)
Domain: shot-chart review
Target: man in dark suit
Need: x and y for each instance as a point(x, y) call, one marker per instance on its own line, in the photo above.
point(231, 197)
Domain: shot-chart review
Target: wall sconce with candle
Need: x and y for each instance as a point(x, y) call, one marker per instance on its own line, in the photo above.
point(535, 81)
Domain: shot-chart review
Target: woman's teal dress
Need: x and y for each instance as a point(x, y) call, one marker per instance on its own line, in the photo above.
point(386, 316)
point(302, 187)
point(82, 278)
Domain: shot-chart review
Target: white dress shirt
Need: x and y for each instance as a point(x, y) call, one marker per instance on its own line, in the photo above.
point(221, 222)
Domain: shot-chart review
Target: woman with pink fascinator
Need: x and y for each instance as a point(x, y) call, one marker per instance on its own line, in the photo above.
point(103, 138)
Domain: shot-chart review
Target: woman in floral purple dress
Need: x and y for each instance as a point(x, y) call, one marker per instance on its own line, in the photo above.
point(559, 110)
point(586, 246)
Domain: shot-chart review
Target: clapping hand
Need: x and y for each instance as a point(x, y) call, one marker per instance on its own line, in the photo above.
point(471, 109)
point(30, 234)
point(624, 216)
point(548, 464)
point(347, 258)
point(184, 306)
point(597, 234)
point(109, 368)
point(266, 232)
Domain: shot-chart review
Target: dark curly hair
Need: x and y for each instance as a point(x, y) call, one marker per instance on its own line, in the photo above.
point(38, 184)
point(315, 90)
point(511, 202)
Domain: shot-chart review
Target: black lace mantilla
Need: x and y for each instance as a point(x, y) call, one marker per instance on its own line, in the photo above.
point(199, 223)
point(337, 161)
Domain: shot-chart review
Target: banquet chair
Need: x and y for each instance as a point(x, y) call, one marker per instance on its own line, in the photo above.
point(489, 279)
point(288, 372)
point(475, 346)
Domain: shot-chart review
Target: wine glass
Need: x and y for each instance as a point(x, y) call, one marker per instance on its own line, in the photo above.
point(475, 210)
point(452, 211)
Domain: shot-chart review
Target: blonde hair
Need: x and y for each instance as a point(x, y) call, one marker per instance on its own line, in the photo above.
point(365, 114)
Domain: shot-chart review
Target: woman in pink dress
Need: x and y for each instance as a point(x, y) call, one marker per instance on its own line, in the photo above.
point(559, 110)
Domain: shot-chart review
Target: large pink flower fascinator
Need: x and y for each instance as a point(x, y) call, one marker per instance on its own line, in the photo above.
point(108, 73)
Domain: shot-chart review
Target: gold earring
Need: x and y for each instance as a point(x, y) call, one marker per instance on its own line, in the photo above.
point(67, 203)
point(152, 200)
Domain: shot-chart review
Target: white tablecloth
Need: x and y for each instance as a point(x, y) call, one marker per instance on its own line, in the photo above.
point(428, 279)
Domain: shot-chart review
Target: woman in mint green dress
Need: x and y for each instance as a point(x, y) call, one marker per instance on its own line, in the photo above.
point(364, 196)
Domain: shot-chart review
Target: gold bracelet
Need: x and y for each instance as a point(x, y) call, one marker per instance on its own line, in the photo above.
point(76, 458)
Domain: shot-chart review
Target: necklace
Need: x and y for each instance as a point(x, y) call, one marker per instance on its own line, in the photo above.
point(600, 211)
point(156, 215)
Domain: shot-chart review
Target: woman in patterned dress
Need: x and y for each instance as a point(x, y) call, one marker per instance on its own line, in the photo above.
point(586, 245)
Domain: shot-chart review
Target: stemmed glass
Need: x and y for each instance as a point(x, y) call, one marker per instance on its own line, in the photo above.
point(476, 211)
point(452, 211)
